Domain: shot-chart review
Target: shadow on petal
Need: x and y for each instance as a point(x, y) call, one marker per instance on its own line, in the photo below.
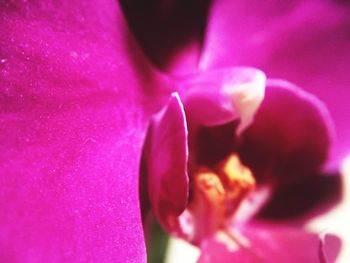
point(304, 198)
point(289, 138)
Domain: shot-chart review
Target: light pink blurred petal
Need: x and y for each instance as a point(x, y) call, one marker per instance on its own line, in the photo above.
point(73, 117)
point(166, 156)
point(269, 243)
point(305, 42)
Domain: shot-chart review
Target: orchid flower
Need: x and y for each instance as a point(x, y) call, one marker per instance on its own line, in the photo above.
point(280, 147)
point(214, 156)
point(77, 94)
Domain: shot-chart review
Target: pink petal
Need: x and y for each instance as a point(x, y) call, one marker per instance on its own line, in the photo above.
point(270, 243)
point(305, 42)
point(166, 163)
point(73, 118)
point(289, 138)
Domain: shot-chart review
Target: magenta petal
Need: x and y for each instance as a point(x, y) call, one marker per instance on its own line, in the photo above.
point(270, 244)
point(290, 136)
point(166, 162)
point(289, 40)
point(73, 116)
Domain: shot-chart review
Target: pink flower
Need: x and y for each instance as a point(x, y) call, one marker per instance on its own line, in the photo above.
point(285, 40)
point(76, 97)
point(213, 160)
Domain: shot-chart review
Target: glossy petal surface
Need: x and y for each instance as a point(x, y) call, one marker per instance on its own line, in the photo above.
point(73, 117)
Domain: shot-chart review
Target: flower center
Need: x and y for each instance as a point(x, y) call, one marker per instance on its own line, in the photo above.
point(218, 192)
